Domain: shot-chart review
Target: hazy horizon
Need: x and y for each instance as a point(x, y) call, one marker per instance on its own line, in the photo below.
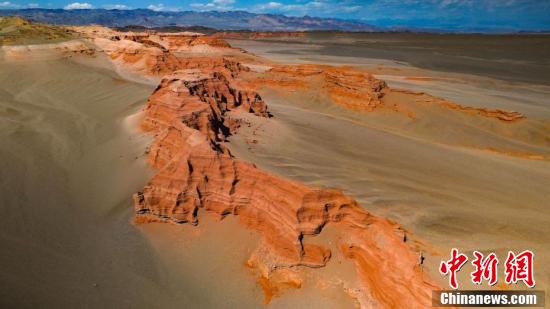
point(449, 15)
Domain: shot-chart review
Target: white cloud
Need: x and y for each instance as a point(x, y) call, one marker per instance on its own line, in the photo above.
point(156, 7)
point(302, 8)
point(223, 2)
point(351, 9)
point(222, 5)
point(449, 3)
point(33, 5)
point(7, 4)
point(270, 5)
point(117, 7)
point(161, 7)
point(78, 6)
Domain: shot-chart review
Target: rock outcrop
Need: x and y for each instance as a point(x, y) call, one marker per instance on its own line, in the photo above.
point(197, 175)
point(188, 114)
point(507, 116)
point(154, 54)
point(176, 42)
point(345, 86)
point(426, 99)
point(259, 35)
point(137, 57)
point(359, 90)
point(173, 41)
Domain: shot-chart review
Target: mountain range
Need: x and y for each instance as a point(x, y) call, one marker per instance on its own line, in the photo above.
point(231, 20)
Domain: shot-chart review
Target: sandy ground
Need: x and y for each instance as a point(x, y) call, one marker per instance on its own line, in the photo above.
point(68, 169)
point(207, 265)
point(512, 58)
point(71, 158)
point(467, 89)
point(417, 172)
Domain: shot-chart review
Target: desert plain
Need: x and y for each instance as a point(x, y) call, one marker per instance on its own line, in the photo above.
point(295, 170)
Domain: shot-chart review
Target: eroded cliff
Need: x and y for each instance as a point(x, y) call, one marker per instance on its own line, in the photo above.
point(197, 176)
point(359, 90)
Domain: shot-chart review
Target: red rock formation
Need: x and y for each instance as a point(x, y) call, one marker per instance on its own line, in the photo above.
point(188, 113)
point(152, 54)
point(196, 174)
point(174, 41)
point(426, 99)
point(146, 59)
point(179, 41)
point(508, 116)
point(259, 35)
point(518, 154)
point(346, 86)
point(218, 64)
point(358, 90)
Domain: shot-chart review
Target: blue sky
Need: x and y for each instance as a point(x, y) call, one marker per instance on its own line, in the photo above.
point(451, 14)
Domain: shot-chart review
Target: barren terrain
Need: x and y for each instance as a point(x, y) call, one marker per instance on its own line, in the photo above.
point(288, 181)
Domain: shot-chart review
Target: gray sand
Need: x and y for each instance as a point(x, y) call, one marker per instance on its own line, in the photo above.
point(68, 168)
point(524, 58)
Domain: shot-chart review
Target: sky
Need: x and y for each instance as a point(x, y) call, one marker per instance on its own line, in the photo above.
point(439, 14)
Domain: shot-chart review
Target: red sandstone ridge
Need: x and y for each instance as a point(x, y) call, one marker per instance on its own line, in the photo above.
point(343, 85)
point(168, 40)
point(156, 54)
point(499, 114)
point(259, 35)
point(173, 41)
point(196, 175)
point(145, 59)
point(359, 90)
point(426, 99)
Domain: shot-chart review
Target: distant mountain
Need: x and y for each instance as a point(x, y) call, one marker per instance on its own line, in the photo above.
point(232, 20)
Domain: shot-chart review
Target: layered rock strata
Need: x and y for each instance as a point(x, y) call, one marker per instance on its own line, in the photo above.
point(188, 113)
point(259, 35)
point(359, 90)
point(346, 86)
point(153, 54)
point(502, 115)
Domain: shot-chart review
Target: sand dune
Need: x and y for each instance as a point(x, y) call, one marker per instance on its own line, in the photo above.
point(62, 228)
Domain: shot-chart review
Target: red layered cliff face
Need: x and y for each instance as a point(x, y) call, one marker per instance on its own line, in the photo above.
point(156, 54)
point(197, 176)
point(345, 86)
point(174, 41)
point(422, 98)
point(259, 35)
point(184, 41)
point(359, 90)
point(188, 114)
